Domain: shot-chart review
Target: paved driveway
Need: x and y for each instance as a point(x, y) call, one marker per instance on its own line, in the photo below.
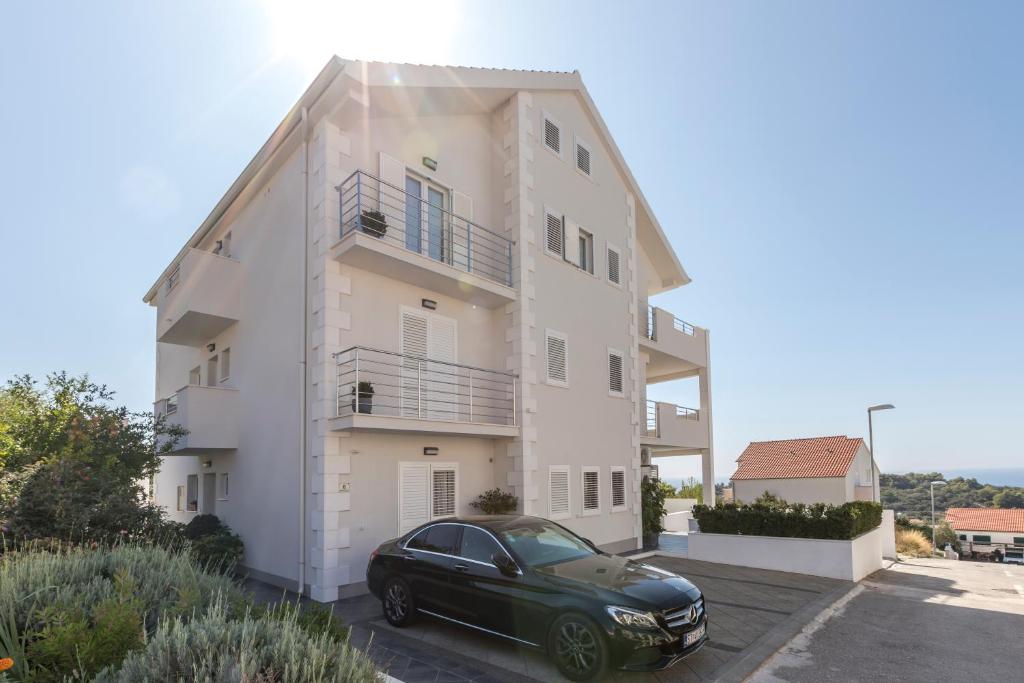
point(752, 613)
point(920, 620)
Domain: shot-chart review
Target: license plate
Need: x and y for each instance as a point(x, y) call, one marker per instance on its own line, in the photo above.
point(694, 635)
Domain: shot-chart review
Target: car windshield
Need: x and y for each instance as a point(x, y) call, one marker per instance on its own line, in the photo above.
point(540, 545)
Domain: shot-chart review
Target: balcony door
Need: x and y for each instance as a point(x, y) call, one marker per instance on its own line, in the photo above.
point(426, 207)
point(430, 380)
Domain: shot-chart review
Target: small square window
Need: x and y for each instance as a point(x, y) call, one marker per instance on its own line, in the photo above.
point(618, 480)
point(591, 482)
point(615, 373)
point(614, 265)
point(181, 499)
point(582, 158)
point(556, 346)
point(586, 247)
point(554, 233)
point(552, 135)
point(192, 493)
point(225, 365)
point(223, 487)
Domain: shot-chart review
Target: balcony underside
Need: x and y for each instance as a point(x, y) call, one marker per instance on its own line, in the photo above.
point(405, 425)
point(664, 367)
point(377, 255)
point(194, 328)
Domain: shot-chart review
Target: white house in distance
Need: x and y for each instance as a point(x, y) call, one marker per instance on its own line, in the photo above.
point(429, 282)
point(827, 469)
point(987, 525)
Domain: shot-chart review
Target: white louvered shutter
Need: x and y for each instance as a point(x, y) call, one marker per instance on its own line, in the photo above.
point(558, 492)
point(582, 158)
point(591, 490)
point(443, 482)
point(557, 361)
point(572, 242)
point(613, 266)
point(554, 235)
point(413, 501)
point(442, 379)
point(552, 136)
point(618, 488)
point(413, 345)
point(615, 372)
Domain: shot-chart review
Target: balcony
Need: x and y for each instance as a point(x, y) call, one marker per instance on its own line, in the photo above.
point(406, 393)
point(199, 300)
point(386, 229)
point(675, 347)
point(674, 428)
point(210, 414)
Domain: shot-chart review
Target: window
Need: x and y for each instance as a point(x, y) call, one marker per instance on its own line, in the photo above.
point(981, 538)
point(478, 545)
point(591, 481)
point(554, 233)
point(556, 350)
point(181, 499)
point(172, 279)
point(440, 538)
point(552, 135)
point(443, 492)
point(618, 488)
point(559, 502)
point(192, 493)
point(211, 371)
point(615, 373)
point(1018, 540)
point(586, 241)
point(223, 487)
point(542, 544)
point(225, 364)
point(614, 261)
point(582, 158)
point(963, 537)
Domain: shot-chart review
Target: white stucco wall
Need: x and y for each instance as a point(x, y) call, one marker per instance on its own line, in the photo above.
point(849, 560)
point(827, 490)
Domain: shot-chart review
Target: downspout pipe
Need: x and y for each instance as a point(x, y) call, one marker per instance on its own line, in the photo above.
point(303, 354)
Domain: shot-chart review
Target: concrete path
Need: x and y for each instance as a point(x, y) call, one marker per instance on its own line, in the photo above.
point(921, 620)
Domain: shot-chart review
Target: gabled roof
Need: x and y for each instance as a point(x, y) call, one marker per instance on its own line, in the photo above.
point(463, 84)
point(824, 456)
point(986, 519)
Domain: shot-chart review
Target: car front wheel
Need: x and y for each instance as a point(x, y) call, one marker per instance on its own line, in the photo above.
point(578, 648)
point(398, 603)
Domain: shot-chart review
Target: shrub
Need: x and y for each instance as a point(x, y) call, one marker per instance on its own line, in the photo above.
point(213, 544)
point(204, 525)
point(913, 543)
point(66, 611)
point(495, 502)
point(775, 517)
point(254, 648)
point(652, 506)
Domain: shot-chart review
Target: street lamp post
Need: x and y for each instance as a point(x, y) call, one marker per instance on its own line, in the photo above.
point(871, 437)
point(931, 487)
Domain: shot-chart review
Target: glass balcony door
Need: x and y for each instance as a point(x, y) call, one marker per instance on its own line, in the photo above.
point(425, 206)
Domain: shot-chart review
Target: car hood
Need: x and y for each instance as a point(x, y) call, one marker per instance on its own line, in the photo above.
point(622, 581)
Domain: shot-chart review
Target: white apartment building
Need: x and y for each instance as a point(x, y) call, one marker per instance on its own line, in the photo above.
point(429, 282)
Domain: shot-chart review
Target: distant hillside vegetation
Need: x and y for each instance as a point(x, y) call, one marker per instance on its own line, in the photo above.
point(908, 493)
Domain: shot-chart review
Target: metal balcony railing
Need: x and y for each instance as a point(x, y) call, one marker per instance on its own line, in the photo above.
point(376, 207)
point(376, 382)
point(654, 421)
point(678, 324)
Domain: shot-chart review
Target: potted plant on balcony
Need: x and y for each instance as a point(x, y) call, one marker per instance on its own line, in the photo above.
point(374, 223)
point(365, 398)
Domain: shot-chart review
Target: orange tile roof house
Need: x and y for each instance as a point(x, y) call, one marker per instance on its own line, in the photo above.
point(987, 525)
point(827, 469)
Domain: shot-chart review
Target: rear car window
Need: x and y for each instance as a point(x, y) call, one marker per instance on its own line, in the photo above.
point(441, 538)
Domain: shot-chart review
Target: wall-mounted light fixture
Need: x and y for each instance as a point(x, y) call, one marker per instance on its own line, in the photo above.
point(431, 450)
point(207, 464)
point(429, 304)
point(430, 163)
point(211, 347)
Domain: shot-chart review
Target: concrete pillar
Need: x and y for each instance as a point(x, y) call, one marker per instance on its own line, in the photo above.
point(707, 454)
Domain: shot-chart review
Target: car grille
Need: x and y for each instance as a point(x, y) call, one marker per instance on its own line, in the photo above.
point(678, 618)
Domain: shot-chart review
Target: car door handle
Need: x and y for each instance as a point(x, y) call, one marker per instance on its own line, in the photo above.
point(460, 567)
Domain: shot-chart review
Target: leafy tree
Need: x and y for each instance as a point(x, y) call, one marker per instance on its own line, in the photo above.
point(73, 465)
point(909, 494)
point(691, 488)
point(1013, 498)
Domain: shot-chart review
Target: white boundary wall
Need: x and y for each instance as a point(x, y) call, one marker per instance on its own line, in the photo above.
point(888, 529)
point(849, 560)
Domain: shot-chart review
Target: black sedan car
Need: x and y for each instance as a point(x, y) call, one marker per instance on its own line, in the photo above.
point(536, 583)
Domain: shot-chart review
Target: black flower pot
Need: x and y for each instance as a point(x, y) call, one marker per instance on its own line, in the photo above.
point(374, 223)
point(651, 541)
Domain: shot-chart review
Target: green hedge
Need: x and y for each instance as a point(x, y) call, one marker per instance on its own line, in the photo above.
point(838, 522)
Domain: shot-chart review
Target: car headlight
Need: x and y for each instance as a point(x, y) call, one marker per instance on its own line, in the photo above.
point(625, 616)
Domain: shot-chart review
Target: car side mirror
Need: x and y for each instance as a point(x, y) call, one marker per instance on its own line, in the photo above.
point(504, 564)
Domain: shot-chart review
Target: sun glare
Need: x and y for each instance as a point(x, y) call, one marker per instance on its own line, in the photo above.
point(308, 32)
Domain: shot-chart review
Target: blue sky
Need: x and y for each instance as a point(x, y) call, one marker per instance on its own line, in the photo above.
point(843, 183)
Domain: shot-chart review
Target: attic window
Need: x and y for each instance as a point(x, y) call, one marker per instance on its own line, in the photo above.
point(552, 135)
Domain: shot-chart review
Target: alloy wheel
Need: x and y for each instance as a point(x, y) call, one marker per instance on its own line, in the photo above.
point(576, 648)
point(396, 602)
